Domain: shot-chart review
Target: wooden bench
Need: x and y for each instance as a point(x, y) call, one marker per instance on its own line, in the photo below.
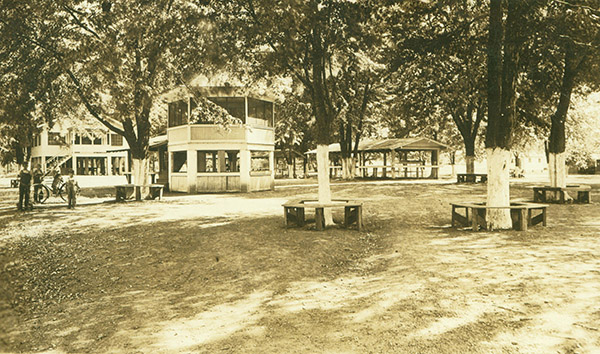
point(522, 215)
point(124, 192)
point(127, 191)
point(156, 191)
point(14, 183)
point(540, 194)
point(294, 212)
point(471, 177)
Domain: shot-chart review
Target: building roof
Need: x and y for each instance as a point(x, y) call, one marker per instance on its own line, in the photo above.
point(381, 145)
point(157, 141)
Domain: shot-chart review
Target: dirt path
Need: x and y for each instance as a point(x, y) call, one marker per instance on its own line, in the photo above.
point(183, 276)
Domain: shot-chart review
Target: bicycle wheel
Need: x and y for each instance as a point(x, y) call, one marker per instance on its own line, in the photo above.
point(62, 192)
point(41, 194)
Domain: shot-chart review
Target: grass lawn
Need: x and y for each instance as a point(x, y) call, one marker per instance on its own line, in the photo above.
point(220, 274)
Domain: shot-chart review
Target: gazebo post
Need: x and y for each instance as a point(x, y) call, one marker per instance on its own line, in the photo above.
point(384, 175)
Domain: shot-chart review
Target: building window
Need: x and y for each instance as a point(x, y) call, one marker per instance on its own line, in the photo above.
point(37, 140)
point(208, 161)
point(116, 140)
point(180, 161)
point(178, 113)
point(117, 164)
point(82, 140)
point(91, 166)
point(261, 112)
point(97, 141)
point(56, 139)
point(259, 161)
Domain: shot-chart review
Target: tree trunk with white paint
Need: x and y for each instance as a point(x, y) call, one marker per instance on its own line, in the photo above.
point(290, 171)
point(557, 169)
point(498, 192)
point(502, 66)
point(323, 180)
point(140, 178)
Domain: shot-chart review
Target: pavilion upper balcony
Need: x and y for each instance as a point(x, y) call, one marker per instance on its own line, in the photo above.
point(255, 118)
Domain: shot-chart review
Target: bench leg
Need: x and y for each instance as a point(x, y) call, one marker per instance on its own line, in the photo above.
point(319, 219)
point(300, 216)
point(523, 220)
point(544, 216)
point(475, 222)
point(453, 217)
point(286, 217)
point(359, 219)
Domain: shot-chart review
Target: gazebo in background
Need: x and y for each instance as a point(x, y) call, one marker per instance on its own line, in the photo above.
point(393, 158)
point(199, 157)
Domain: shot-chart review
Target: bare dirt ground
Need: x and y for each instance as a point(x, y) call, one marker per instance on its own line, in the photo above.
point(220, 274)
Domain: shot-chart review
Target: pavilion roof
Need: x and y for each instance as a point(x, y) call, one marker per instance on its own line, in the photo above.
point(381, 145)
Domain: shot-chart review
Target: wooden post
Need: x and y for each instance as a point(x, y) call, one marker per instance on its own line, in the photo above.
point(384, 164)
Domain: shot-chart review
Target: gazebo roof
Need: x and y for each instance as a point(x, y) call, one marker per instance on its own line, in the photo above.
point(380, 145)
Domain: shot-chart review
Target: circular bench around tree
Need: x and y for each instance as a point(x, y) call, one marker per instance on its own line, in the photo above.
point(294, 212)
point(546, 194)
point(523, 215)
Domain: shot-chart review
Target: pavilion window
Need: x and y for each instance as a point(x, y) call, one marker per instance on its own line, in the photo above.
point(259, 161)
point(260, 112)
point(235, 106)
point(180, 161)
point(232, 161)
point(178, 113)
point(208, 161)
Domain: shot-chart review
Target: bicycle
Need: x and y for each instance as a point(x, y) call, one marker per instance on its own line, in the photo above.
point(42, 192)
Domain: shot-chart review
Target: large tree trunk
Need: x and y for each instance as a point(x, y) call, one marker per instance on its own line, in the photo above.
point(140, 178)
point(470, 156)
point(498, 191)
point(348, 168)
point(290, 171)
point(557, 169)
point(557, 142)
point(323, 180)
point(502, 73)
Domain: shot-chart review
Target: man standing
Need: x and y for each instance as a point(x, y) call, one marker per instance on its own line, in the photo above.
point(24, 188)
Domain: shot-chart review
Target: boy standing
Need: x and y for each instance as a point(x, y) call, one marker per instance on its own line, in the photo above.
point(24, 188)
point(72, 188)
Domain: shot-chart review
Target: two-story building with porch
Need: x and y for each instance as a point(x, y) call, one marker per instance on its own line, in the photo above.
point(206, 157)
point(97, 156)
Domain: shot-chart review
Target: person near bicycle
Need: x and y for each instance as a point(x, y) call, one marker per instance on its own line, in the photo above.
point(56, 181)
point(38, 176)
point(72, 188)
point(24, 188)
